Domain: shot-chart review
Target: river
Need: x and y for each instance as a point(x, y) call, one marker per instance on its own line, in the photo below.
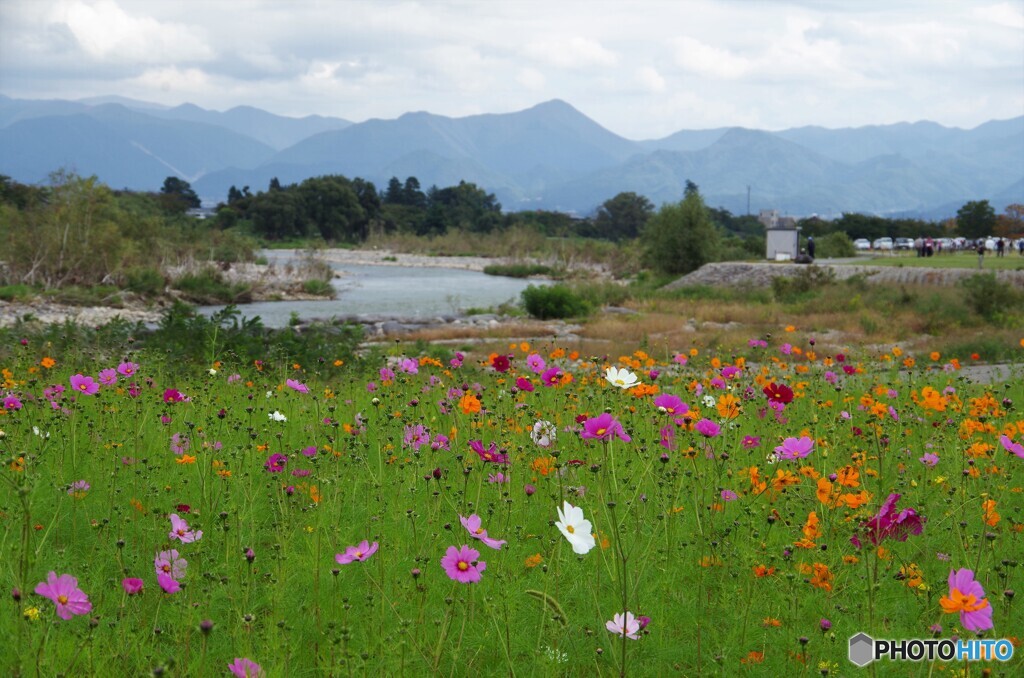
point(393, 291)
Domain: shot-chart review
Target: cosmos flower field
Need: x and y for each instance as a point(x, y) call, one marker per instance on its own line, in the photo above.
point(527, 512)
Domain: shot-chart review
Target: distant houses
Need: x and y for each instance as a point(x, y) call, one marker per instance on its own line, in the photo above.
point(782, 239)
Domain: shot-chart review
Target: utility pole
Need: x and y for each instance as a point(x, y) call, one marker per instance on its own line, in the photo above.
point(748, 200)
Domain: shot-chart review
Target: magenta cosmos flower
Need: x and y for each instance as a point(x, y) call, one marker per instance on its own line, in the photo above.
point(524, 384)
point(180, 531)
point(64, 592)
point(84, 385)
point(603, 428)
point(360, 551)
point(245, 668)
point(168, 583)
point(671, 404)
point(108, 377)
point(536, 363)
point(127, 369)
point(967, 597)
point(795, 448)
point(12, 403)
point(491, 454)
point(1010, 446)
point(132, 585)
point(462, 564)
point(707, 428)
point(173, 395)
point(890, 523)
point(473, 526)
point(296, 386)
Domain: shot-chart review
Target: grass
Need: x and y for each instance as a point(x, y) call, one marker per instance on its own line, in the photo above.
point(284, 463)
point(969, 260)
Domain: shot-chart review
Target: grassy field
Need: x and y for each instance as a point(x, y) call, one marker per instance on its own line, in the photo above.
point(1011, 262)
point(741, 506)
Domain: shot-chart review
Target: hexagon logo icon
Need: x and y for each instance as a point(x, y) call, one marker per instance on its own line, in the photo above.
point(862, 649)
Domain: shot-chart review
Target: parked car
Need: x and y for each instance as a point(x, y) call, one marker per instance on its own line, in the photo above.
point(882, 244)
point(904, 244)
point(862, 244)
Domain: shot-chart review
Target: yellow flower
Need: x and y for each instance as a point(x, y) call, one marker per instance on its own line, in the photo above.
point(31, 613)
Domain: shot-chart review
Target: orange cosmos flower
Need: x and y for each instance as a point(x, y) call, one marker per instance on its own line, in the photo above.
point(469, 403)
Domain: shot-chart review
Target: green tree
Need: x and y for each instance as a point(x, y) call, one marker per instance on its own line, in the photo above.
point(976, 219)
point(681, 237)
point(178, 195)
point(623, 217)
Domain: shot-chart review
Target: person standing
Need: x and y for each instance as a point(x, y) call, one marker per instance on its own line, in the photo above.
point(810, 246)
point(981, 253)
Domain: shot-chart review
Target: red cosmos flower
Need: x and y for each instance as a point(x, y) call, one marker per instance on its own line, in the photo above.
point(500, 363)
point(779, 393)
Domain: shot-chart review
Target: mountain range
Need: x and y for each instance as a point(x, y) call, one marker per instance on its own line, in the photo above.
point(550, 156)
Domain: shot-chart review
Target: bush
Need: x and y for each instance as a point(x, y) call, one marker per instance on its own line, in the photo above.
point(809, 279)
point(517, 270)
point(318, 288)
point(16, 292)
point(207, 286)
point(992, 299)
point(144, 280)
point(834, 246)
point(554, 301)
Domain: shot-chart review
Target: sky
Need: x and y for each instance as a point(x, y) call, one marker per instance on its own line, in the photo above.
point(643, 69)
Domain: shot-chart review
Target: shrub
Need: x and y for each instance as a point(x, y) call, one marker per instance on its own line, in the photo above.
point(144, 280)
point(517, 270)
point(991, 298)
point(834, 246)
point(207, 286)
point(807, 280)
point(318, 287)
point(553, 301)
point(16, 292)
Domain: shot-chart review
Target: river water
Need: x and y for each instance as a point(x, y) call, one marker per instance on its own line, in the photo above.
point(393, 291)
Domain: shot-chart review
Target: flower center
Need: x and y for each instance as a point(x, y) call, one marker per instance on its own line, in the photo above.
point(63, 600)
point(165, 568)
point(479, 531)
point(601, 431)
point(181, 532)
point(359, 554)
point(570, 529)
point(463, 566)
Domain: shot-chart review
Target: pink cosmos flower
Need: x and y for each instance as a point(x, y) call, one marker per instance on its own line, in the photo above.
point(296, 386)
point(729, 495)
point(309, 451)
point(169, 563)
point(750, 442)
point(108, 377)
point(127, 369)
point(245, 668)
point(386, 374)
point(473, 526)
point(929, 459)
point(84, 385)
point(730, 371)
point(624, 625)
point(524, 384)
point(132, 586)
point(12, 403)
point(795, 448)
point(1010, 446)
point(415, 437)
point(64, 592)
point(680, 358)
point(440, 442)
point(168, 583)
point(671, 404)
point(536, 363)
point(79, 488)
point(181, 531)
point(604, 428)
point(462, 564)
point(410, 366)
point(498, 478)
point(707, 428)
point(967, 597)
point(361, 551)
point(668, 438)
point(889, 522)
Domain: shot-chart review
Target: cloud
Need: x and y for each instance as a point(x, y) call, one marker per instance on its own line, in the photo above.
point(650, 79)
point(574, 52)
point(702, 59)
point(1003, 14)
point(105, 32)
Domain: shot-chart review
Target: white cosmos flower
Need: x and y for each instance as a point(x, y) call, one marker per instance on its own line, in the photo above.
point(709, 401)
point(576, 528)
point(543, 433)
point(277, 416)
point(622, 378)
